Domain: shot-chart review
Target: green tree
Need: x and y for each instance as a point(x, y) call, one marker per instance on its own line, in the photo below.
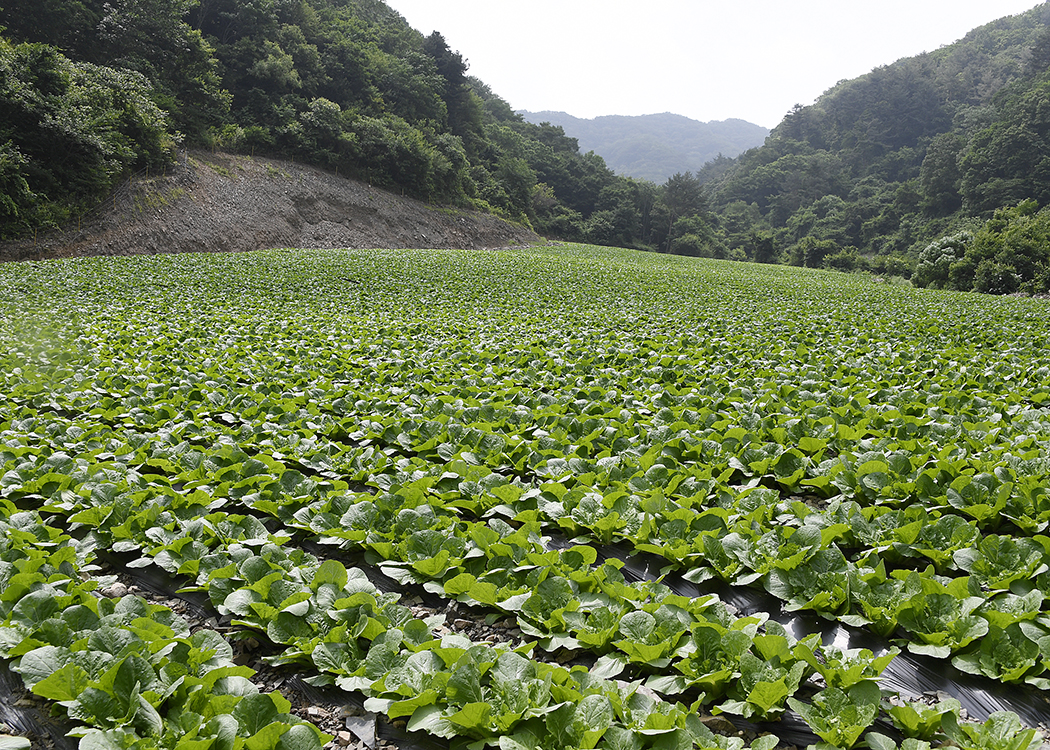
point(811, 252)
point(847, 259)
point(68, 25)
point(464, 108)
point(761, 247)
point(683, 196)
point(1009, 252)
point(153, 38)
point(150, 37)
point(69, 131)
point(940, 176)
point(824, 219)
point(19, 206)
point(937, 258)
point(693, 235)
point(911, 148)
point(620, 202)
point(1009, 161)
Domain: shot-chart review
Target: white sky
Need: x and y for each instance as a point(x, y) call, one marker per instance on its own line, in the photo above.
point(705, 59)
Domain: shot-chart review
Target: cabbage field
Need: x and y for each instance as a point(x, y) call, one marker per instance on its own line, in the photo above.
point(550, 497)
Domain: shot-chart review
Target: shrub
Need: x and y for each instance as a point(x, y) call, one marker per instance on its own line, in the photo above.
point(890, 265)
point(992, 277)
point(936, 260)
point(847, 259)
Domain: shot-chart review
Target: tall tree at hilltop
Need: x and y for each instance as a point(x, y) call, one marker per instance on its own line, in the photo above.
point(464, 108)
point(683, 195)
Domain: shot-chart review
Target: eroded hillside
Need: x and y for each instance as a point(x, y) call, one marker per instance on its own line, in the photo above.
point(213, 202)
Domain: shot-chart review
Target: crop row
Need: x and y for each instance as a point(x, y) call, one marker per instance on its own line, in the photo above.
point(129, 674)
point(797, 552)
point(332, 621)
point(875, 554)
point(873, 455)
point(335, 622)
point(746, 535)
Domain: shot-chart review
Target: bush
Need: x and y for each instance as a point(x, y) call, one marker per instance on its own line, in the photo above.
point(691, 244)
point(992, 277)
point(810, 252)
point(562, 223)
point(890, 265)
point(937, 258)
point(394, 154)
point(1009, 253)
point(847, 260)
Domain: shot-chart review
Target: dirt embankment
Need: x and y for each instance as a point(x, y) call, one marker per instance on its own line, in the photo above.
point(220, 203)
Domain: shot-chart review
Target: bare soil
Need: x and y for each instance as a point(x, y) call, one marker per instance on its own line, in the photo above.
point(215, 202)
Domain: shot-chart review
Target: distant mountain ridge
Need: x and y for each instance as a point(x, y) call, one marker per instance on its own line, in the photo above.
point(654, 147)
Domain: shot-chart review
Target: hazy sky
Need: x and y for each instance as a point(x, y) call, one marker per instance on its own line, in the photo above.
point(706, 59)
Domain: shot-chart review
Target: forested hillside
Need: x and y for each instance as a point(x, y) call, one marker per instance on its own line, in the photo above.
point(655, 147)
point(936, 164)
point(91, 91)
point(923, 160)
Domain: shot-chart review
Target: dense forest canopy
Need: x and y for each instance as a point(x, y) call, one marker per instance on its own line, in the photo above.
point(883, 172)
point(887, 165)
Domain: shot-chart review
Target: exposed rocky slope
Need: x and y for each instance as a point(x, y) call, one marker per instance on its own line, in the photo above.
point(215, 202)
